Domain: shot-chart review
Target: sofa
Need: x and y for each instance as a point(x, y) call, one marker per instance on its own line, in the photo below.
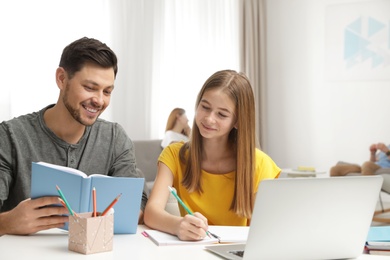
point(385, 173)
point(146, 155)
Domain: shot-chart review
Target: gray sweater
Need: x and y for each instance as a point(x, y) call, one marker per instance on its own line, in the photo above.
point(104, 148)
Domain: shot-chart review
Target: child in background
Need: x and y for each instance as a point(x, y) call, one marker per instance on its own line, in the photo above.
point(379, 159)
point(177, 128)
point(216, 173)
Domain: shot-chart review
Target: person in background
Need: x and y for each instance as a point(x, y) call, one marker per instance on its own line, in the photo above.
point(217, 173)
point(68, 133)
point(379, 158)
point(177, 128)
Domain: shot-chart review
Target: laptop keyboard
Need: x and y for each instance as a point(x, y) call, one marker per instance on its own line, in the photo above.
point(237, 253)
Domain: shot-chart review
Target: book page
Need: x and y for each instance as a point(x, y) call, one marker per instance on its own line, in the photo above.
point(164, 239)
point(65, 169)
point(227, 234)
point(230, 234)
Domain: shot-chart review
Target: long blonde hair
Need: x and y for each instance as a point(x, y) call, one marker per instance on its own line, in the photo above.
point(173, 116)
point(242, 139)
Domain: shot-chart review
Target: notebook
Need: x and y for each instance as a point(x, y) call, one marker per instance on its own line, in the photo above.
point(226, 234)
point(308, 218)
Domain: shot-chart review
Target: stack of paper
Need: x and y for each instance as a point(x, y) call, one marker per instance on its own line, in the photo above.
point(378, 240)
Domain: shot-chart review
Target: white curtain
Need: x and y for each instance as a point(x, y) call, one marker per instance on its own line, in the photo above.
point(253, 59)
point(168, 49)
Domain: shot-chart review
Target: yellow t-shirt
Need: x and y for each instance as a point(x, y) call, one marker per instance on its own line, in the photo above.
point(218, 189)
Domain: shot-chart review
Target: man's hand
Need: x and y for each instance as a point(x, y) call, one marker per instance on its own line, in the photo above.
point(31, 216)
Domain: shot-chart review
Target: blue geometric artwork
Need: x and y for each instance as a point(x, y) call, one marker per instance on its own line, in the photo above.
point(357, 41)
point(362, 45)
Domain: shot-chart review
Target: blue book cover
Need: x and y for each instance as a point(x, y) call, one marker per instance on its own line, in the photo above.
point(77, 188)
point(379, 234)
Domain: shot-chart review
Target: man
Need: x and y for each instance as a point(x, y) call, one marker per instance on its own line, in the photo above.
point(68, 133)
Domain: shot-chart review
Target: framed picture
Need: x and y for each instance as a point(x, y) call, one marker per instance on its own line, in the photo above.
point(357, 41)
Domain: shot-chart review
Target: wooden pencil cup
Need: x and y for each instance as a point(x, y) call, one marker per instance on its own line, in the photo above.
point(89, 235)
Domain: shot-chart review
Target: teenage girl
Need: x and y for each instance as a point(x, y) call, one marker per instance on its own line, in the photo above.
point(218, 171)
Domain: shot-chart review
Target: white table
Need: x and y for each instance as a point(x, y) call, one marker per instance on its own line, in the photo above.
point(53, 244)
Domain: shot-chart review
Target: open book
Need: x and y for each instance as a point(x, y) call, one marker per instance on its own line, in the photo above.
point(77, 188)
point(226, 234)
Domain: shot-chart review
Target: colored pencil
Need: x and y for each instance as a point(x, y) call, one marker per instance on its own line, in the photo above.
point(111, 205)
point(94, 201)
point(63, 204)
point(180, 201)
point(187, 209)
point(64, 199)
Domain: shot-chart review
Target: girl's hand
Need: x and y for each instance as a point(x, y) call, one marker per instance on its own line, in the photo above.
point(192, 227)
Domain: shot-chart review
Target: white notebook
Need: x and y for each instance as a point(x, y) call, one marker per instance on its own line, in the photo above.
point(226, 234)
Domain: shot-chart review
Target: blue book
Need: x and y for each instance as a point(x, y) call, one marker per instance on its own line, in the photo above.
point(379, 235)
point(77, 188)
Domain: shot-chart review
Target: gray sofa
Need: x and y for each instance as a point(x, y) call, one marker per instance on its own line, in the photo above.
point(146, 155)
point(384, 172)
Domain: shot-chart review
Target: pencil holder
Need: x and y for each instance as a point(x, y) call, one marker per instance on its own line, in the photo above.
point(89, 235)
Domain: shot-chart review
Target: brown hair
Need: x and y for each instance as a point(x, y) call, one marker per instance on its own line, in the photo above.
point(242, 139)
point(87, 50)
point(175, 113)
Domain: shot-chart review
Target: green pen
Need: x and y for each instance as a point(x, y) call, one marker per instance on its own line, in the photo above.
point(186, 208)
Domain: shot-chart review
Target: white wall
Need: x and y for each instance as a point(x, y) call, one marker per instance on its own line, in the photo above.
point(33, 35)
point(314, 119)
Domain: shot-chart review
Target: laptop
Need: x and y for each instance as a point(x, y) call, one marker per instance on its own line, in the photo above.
point(308, 218)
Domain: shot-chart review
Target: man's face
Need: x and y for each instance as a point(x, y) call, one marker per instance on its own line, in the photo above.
point(88, 93)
